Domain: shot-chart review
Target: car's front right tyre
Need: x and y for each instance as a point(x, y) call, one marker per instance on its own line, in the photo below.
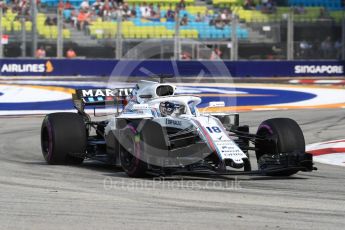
point(63, 138)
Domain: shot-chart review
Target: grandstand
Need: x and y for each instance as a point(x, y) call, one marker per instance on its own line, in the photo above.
point(260, 25)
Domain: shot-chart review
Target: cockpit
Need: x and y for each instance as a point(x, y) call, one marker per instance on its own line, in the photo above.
point(173, 107)
point(170, 108)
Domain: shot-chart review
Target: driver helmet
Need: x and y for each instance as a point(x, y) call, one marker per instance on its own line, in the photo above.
point(167, 108)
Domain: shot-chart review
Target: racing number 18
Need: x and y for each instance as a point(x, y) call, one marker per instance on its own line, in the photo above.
point(213, 129)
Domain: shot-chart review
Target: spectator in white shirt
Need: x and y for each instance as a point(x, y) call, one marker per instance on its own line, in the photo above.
point(225, 16)
point(85, 5)
point(143, 9)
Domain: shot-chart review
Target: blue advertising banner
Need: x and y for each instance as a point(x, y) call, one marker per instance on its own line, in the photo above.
point(141, 68)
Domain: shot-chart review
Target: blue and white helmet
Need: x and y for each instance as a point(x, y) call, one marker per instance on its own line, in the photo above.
point(168, 108)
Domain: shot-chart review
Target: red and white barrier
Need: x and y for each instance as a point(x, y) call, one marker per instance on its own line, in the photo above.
point(330, 152)
point(318, 81)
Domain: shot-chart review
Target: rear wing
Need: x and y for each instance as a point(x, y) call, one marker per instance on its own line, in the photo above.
point(100, 97)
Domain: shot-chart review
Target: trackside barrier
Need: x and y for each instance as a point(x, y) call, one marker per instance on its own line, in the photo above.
point(142, 68)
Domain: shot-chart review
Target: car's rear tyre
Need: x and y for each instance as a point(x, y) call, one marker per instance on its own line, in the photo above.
point(63, 138)
point(131, 152)
point(288, 137)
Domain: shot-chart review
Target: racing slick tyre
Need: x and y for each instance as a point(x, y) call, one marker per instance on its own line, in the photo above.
point(63, 138)
point(131, 151)
point(281, 135)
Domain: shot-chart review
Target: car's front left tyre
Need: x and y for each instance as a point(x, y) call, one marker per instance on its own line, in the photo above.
point(279, 136)
point(131, 152)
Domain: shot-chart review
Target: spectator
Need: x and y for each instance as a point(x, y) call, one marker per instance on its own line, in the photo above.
point(146, 13)
point(277, 50)
point(158, 12)
point(97, 5)
point(184, 20)
point(71, 53)
point(126, 12)
point(61, 5)
point(249, 5)
point(22, 5)
point(106, 11)
point(151, 12)
point(264, 2)
point(143, 9)
point(40, 52)
point(216, 54)
point(225, 16)
point(338, 47)
point(305, 49)
point(84, 5)
point(55, 21)
point(49, 21)
point(219, 23)
point(133, 11)
point(154, 14)
point(326, 47)
point(118, 2)
point(68, 5)
point(170, 15)
point(83, 19)
point(198, 17)
point(207, 17)
point(268, 7)
point(3, 5)
point(74, 17)
point(186, 55)
point(316, 44)
point(299, 10)
point(181, 5)
point(213, 21)
point(113, 14)
point(324, 13)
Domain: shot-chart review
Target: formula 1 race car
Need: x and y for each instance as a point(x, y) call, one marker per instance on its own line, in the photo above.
point(153, 131)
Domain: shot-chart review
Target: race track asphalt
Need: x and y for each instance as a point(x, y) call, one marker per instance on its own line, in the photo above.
point(34, 195)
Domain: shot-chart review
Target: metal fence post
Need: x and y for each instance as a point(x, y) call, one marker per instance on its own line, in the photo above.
point(59, 42)
point(118, 48)
point(34, 26)
point(290, 36)
point(23, 46)
point(343, 38)
point(234, 38)
point(177, 42)
point(1, 46)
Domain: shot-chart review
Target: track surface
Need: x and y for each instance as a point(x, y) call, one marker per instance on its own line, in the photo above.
point(38, 196)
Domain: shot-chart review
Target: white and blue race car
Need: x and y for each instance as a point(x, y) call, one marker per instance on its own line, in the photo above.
point(156, 132)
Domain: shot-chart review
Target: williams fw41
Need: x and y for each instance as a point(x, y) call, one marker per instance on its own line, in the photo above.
point(154, 132)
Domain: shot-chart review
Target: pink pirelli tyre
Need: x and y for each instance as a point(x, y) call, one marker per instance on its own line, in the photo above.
point(131, 152)
point(281, 135)
point(63, 138)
